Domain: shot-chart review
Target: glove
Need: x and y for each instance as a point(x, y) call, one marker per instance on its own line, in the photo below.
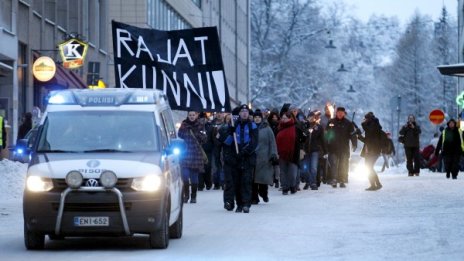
point(274, 160)
point(325, 156)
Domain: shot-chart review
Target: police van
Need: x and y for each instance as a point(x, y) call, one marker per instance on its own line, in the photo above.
point(104, 163)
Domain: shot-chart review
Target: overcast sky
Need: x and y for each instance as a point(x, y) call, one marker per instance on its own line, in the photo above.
point(404, 9)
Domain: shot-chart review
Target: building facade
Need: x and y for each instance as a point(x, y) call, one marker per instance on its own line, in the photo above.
point(232, 18)
point(33, 28)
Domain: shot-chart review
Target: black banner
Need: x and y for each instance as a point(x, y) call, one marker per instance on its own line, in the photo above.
point(185, 64)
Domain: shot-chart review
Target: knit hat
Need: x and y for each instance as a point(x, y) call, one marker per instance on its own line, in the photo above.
point(341, 109)
point(244, 106)
point(369, 115)
point(258, 113)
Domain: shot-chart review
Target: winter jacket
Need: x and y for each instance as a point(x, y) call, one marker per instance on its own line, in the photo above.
point(267, 148)
point(411, 135)
point(338, 134)
point(449, 142)
point(372, 139)
point(290, 139)
point(193, 156)
point(247, 141)
point(315, 140)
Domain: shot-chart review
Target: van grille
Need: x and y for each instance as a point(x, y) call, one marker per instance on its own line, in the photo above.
point(60, 185)
point(92, 207)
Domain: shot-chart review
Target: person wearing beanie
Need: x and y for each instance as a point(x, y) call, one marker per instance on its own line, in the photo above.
point(450, 146)
point(266, 155)
point(339, 132)
point(239, 165)
point(372, 148)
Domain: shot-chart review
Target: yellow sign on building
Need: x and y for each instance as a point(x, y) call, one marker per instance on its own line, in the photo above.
point(73, 53)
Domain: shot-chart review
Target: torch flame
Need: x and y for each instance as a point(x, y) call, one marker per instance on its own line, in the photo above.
point(330, 107)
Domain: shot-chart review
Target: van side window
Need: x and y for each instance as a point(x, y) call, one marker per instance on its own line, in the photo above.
point(170, 128)
point(164, 137)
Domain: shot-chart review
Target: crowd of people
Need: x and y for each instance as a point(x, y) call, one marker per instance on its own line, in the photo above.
point(247, 152)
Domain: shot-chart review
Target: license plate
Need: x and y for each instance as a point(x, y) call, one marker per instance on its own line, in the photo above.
point(91, 221)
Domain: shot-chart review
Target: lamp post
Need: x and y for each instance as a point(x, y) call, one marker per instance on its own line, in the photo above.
point(398, 111)
point(351, 89)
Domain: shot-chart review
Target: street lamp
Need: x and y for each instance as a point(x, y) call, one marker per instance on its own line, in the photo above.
point(342, 68)
point(330, 45)
point(351, 89)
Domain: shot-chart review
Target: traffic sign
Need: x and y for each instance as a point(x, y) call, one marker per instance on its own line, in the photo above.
point(437, 116)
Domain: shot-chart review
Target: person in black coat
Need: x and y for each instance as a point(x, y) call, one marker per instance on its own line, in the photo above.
point(410, 134)
point(313, 148)
point(449, 144)
point(372, 147)
point(339, 132)
point(26, 125)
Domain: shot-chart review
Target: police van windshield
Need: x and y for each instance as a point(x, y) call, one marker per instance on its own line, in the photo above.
point(99, 131)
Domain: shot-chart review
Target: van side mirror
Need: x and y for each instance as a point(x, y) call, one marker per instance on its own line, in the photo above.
point(176, 147)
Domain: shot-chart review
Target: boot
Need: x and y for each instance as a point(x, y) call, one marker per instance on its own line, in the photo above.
point(186, 192)
point(194, 193)
point(372, 182)
point(377, 182)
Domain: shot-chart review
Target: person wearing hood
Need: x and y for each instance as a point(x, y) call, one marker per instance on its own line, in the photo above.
point(372, 148)
point(410, 134)
point(451, 146)
point(266, 155)
point(193, 162)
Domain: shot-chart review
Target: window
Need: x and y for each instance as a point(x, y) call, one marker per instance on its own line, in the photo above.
point(62, 12)
point(49, 10)
point(197, 3)
point(162, 16)
point(93, 131)
point(6, 10)
point(93, 73)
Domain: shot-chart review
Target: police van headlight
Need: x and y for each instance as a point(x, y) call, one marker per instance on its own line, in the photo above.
point(148, 183)
point(38, 184)
point(108, 179)
point(74, 179)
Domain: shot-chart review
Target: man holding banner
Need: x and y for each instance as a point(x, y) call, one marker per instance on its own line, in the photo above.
point(239, 151)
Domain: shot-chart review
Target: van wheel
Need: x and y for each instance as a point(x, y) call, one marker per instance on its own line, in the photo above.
point(159, 239)
point(33, 240)
point(175, 231)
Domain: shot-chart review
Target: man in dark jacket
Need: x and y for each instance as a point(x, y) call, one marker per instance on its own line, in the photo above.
point(372, 148)
point(239, 160)
point(2, 135)
point(410, 133)
point(339, 132)
point(450, 145)
point(313, 147)
point(205, 178)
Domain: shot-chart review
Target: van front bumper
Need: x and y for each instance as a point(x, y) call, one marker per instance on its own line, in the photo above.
point(128, 212)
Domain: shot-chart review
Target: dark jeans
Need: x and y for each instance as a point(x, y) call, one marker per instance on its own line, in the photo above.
point(309, 168)
point(189, 176)
point(452, 164)
point(238, 183)
point(259, 190)
point(412, 159)
point(339, 164)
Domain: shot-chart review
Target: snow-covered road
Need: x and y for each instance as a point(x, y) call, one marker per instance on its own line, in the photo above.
point(411, 218)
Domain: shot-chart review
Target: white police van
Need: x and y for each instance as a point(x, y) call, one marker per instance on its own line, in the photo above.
point(104, 163)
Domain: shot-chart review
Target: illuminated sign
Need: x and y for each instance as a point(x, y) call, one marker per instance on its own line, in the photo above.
point(73, 53)
point(44, 69)
point(460, 100)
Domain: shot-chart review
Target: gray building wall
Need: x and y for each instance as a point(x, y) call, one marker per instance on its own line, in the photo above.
point(28, 26)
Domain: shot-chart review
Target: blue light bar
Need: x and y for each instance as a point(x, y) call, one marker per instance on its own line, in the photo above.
point(57, 97)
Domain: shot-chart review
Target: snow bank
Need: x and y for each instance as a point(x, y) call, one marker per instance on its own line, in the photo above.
point(13, 175)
